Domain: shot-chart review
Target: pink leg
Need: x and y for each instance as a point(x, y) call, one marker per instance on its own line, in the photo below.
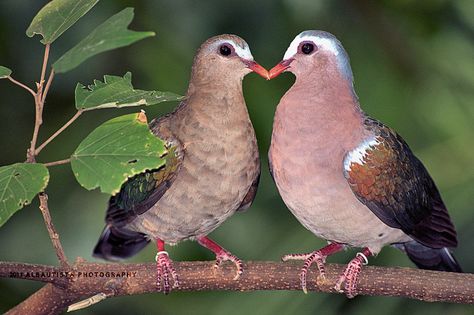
point(350, 276)
point(318, 256)
point(164, 269)
point(221, 254)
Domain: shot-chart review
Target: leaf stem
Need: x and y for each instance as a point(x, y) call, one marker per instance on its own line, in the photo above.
point(22, 85)
point(60, 162)
point(59, 131)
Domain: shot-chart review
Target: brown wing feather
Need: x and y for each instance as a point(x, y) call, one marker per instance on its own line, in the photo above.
point(395, 185)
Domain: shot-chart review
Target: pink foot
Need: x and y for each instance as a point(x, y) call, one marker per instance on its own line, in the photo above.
point(222, 255)
point(318, 256)
point(165, 271)
point(350, 276)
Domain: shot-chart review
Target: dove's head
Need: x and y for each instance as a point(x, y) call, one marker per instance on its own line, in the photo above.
point(314, 51)
point(225, 57)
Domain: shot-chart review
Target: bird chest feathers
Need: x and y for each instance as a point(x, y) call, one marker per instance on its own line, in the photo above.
point(220, 163)
point(307, 155)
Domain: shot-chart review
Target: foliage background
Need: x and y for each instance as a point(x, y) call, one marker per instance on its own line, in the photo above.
point(413, 66)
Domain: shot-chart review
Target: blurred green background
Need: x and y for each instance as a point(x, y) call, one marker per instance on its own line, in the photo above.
point(414, 70)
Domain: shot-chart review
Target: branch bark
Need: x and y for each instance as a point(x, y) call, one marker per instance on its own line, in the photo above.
point(39, 104)
point(31, 153)
point(53, 235)
point(48, 85)
point(84, 279)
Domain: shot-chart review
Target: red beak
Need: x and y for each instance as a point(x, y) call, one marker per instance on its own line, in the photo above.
point(255, 67)
point(279, 68)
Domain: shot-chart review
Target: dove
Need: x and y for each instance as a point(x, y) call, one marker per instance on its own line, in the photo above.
point(346, 177)
point(212, 167)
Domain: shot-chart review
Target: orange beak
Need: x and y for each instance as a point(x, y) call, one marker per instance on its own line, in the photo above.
point(279, 68)
point(255, 67)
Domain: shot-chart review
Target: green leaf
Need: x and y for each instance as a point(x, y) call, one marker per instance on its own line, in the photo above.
point(118, 91)
point(4, 72)
point(56, 17)
point(19, 184)
point(118, 149)
point(111, 34)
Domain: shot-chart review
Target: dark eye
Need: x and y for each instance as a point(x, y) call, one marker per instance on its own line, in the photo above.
point(307, 48)
point(225, 50)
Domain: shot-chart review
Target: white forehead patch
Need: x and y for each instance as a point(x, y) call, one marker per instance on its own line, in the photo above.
point(321, 42)
point(242, 52)
point(358, 154)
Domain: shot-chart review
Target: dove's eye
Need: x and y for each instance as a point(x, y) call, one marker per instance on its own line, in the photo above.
point(307, 48)
point(225, 50)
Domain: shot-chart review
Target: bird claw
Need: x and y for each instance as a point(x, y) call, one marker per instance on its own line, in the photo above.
point(165, 272)
point(226, 256)
point(309, 259)
point(350, 276)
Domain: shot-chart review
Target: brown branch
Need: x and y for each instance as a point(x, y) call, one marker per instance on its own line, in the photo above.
point(43, 72)
point(22, 85)
point(88, 279)
point(48, 85)
point(39, 104)
point(43, 273)
point(60, 162)
point(53, 235)
point(59, 131)
point(31, 154)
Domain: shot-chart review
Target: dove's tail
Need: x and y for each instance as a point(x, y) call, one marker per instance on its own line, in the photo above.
point(119, 243)
point(431, 258)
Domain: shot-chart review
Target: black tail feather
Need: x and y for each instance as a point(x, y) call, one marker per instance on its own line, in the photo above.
point(431, 258)
point(119, 243)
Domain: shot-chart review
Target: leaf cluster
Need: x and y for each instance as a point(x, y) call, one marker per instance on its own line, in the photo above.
point(118, 149)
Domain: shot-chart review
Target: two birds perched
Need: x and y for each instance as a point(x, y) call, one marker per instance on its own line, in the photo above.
point(346, 177)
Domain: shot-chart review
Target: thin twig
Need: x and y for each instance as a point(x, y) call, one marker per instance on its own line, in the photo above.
point(48, 85)
point(43, 72)
point(59, 131)
point(22, 85)
point(53, 235)
point(31, 156)
point(60, 162)
point(88, 279)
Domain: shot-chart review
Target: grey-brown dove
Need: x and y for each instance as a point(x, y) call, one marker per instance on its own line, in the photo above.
point(346, 177)
point(212, 170)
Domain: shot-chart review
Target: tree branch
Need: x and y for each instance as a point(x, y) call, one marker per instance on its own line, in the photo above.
point(31, 153)
point(39, 104)
point(48, 85)
point(88, 279)
point(22, 85)
point(53, 235)
point(43, 72)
